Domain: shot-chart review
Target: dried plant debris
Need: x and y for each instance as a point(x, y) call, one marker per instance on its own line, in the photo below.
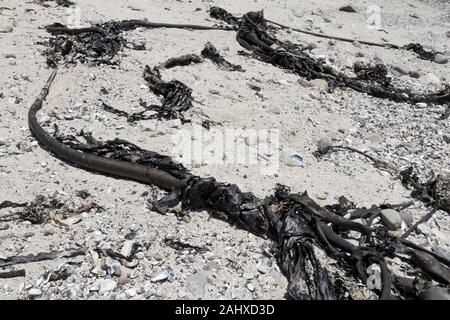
point(42, 256)
point(420, 51)
point(47, 209)
point(183, 60)
point(225, 16)
point(180, 246)
point(211, 53)
point(253, 35)
point(98, 46)
point(63, 3)
point(12, 274)
point(176, 99)
point(376, 74)
point(99, 43)
point(434, 192)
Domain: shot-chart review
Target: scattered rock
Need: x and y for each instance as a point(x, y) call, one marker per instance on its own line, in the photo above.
point(214, 91)
point(324, 145)
point(105, 285)
point(407, 217)
point(295, 161)
point(401, 70)
point(6, 29)
point(321, 195)
point(347, 8)
point(320, 84)
point(357, 44)
point(127, 248)
point(254, 87)
point(165, 274)
point(440, 58)
point(34, 293)
point(391, 219)
point(196, 283)
point(4, 226)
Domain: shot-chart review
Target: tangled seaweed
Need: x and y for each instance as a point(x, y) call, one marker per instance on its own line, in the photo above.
point(176, 99)
point(252, 34)
point(420, 51)
point(99, 45)
point(435, 192)
point(63, 3)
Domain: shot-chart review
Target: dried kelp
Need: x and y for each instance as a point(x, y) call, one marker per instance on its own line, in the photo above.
point(99, 46)
point(63, 3)
point(435, 192)
point(376, 74)
point(211, 53)
point(182, 61)
point(176, 99)
point(420, 51)
point(122, 150)
point(42, 256)
point(253, 35)
point(223, 15)
point(99, 43)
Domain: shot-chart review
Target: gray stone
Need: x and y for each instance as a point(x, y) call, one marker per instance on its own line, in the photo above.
point(214, 91)
point(324, 145)
point(163, 275)
point(6, 29)
point(4, 226)
point(447, 34)
point(320, 84)
point(440, 58)
point(106, 285)
point(391, 219)
point(34, 293)
point(127, 248)
point(254, 86)
point(347, 8)
point(196, 283)
point(357, 44)
point(295, 161)
point(403, 71)
point(414, 74)
point(407, 218)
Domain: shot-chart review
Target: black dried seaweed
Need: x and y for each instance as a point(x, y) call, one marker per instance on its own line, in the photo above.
point(119, 149)
point(376, 74)
point(183, 60)
point(420, 51)
point(99, 46)
point(253, 35)
point(211, 53)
